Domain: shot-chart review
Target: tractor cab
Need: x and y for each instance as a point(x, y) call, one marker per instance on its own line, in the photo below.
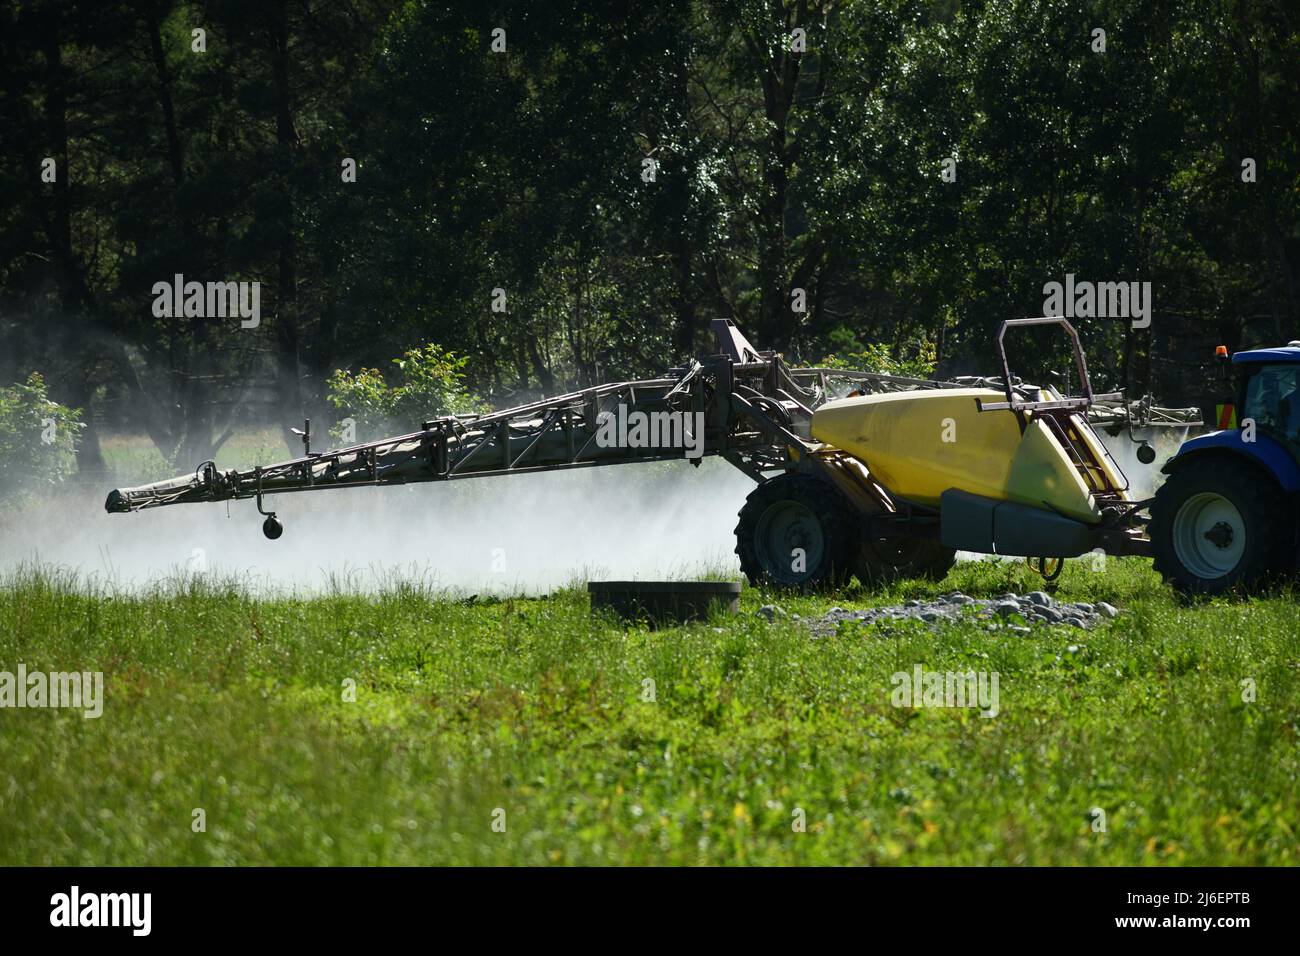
point(1269, 394)
point(1267, 413)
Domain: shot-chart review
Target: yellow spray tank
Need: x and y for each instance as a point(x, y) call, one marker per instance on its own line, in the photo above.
point(1016, 471)
point(920, 444)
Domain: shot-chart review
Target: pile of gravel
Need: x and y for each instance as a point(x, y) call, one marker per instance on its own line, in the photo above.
point(1017, 614)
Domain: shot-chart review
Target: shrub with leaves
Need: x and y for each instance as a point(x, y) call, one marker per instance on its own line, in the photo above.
point(877, 357)
point(38, 440)
point(432, 383)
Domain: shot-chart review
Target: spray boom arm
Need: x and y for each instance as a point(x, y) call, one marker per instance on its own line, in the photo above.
point(742, 404)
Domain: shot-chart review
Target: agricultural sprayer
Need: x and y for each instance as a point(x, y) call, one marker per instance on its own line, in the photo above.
point(889, 481)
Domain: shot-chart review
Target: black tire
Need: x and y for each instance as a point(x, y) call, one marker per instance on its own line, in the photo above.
point(796, 511)
point(891, 559)
point(1244, 510)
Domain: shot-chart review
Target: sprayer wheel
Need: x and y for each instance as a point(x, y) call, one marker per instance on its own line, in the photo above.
point(795, 532)
point(889, 559)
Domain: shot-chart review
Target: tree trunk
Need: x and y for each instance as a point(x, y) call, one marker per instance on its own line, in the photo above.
point(779, 75)
point(74, 293)
point(287, 332)
point(681, 248)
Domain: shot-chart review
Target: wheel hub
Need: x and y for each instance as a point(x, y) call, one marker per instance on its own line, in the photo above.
point(1209, 535)
point(789, 541)
point(1220, 535)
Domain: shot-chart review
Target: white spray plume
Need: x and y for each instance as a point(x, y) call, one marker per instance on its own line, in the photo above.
point(522, 534)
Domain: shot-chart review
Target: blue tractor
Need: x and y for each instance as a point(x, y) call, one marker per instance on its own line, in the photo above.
point(1226, 518)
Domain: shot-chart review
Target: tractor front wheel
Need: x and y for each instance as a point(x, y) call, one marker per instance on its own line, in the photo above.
point(1219, 526)
point(796, 532)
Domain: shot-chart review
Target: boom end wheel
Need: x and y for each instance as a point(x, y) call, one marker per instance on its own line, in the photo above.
point(272, 527)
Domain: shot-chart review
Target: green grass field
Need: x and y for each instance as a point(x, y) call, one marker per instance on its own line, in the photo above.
point(528, 712)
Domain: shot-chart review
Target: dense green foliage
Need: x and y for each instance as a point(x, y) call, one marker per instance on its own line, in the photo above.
point(432, 383)
point(38, 439)
point(234, 705)
point(622, 173)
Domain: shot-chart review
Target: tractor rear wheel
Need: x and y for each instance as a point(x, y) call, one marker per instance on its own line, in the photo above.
point(889, 559)
point(1218, 526)
point(796, 531)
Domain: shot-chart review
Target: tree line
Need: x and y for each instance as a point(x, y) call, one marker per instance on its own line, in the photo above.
point(565, 193)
